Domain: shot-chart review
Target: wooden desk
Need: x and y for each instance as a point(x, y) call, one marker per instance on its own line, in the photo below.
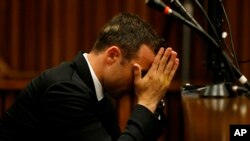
point(209, 119)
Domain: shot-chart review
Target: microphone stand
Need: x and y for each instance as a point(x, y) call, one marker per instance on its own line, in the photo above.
point(223, 89)
point(220, 89)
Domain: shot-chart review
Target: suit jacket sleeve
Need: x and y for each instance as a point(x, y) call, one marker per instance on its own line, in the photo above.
point(142, 126)
point(70, 114)
point(87, 124)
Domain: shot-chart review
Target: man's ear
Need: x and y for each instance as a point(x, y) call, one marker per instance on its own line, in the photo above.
point(112, 54)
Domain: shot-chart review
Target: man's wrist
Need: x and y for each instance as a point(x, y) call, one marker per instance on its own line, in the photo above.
point(151, 107)
point(159, 112)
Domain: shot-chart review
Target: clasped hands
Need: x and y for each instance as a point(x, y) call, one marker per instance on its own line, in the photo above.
point(151, 88)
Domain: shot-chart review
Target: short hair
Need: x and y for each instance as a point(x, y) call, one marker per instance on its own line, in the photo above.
point(128, 32)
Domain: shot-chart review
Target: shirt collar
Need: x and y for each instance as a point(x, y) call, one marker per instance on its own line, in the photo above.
point(97, 84)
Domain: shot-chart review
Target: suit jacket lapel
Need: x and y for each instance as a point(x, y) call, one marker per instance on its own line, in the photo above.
point(105, 108)
point(83, 71)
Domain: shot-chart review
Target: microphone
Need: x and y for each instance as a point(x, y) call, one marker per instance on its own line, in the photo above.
point(239, 76)
point(236, 88)
point(184, 12)
point(162, 7)
point(156, 4)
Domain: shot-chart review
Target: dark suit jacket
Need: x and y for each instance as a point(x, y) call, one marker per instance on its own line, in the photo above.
point(61, 104)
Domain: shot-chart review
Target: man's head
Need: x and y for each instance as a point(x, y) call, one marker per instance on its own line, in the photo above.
point(124, 41)
point(128, 32)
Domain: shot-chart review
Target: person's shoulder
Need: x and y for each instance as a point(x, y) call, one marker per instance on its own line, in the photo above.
point(61, 72)
point(68, 88)
point(51, 76)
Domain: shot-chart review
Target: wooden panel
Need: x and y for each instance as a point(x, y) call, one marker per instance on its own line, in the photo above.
point(38, 34)
point(14, 35)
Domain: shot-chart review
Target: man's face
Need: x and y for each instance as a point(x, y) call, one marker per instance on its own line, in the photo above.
point(121, 74)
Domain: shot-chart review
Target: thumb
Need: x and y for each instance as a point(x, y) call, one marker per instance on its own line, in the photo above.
point(137, 72)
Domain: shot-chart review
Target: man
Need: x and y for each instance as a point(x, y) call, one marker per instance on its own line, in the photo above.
point(72, 101)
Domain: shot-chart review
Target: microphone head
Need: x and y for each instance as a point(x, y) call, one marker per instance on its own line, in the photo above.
point(156, 4)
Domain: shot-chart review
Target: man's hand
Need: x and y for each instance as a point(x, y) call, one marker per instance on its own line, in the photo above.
point(151, 88)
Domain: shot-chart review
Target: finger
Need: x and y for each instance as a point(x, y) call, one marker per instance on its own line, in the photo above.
point(137, 73)
point(170, 63)
point(157, 60)
point(164, 59)
point(175, 67)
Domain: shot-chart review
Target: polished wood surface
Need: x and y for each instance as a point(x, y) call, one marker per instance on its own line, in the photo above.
point(209, 118)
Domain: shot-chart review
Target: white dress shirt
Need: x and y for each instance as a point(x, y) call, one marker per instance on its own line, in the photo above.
point(97, 84)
